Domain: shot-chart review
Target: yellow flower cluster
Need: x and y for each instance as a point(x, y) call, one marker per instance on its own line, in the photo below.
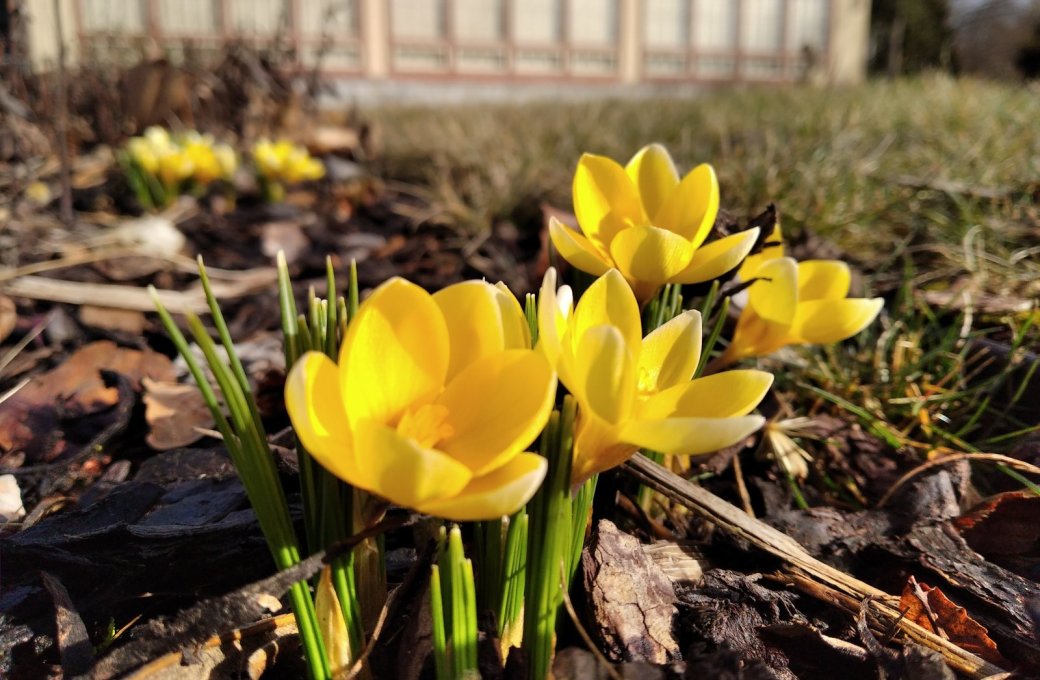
point(177, 160)
point(435, 398)
point(285, 162)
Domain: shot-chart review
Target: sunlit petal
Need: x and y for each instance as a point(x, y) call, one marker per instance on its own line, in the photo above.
point(609, 300)
point(551, 325)
point(597, 447)
point(774, 296)
point(474, 320)
point(496, 408)
point(823, 280)
point(516, 334)
point(654, 174)
point(501, 492)
point(722, 395)
point(718, 257)
point(823, 321)
point(650, 254)
point(395, 353)
point(691, 209)
point(577, 249)
point(670, 353)
point(605, 373)
point(404, 472)
point(604, 198)
point(754, 336)
point(312, 398)
point(689, 436)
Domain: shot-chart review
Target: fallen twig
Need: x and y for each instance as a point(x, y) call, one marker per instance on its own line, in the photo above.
point(132, 297)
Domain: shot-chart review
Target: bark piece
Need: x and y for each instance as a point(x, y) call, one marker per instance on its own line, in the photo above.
point(630, 599)
point(77, 654)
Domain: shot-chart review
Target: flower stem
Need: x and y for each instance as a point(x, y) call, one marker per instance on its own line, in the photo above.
point(550, 542)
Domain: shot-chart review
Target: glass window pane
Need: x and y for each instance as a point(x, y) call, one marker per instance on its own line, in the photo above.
point(808, 25)
point(665, 23)
point(714, 24)
point(477, 20)
point(417, 19)
point(592, 22)
point(536, 22)
point(763, 21)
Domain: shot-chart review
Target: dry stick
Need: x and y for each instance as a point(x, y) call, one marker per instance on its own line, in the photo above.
point(132, 297)
point(734, 521)
point(953, 458)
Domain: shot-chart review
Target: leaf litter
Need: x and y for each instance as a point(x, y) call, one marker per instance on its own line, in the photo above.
point(125, 494)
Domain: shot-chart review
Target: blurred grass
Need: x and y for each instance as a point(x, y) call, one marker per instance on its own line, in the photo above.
point(832, 159)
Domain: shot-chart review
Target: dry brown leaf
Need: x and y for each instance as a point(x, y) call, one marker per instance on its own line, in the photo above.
point(1005, 524)
point(929, 608)
point(174, 411)
point(29, 418)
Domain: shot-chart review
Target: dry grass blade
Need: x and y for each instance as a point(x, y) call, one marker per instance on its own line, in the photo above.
point(734, 521)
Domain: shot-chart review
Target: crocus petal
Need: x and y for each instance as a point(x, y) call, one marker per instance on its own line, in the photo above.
point(691, 209)
point(670, 353)
point(605, 374)
point(577, 249)
point(597, 447)
point(315, 406)
point(609, 300)
point(754, 336)
point(403, 472)
point(823, 321)
point(718, 257)
point(395, 353)
point(722, 395)
point(771, 250)
point(474, 320)
point(650, 254)
point(516, 334)
point(689, 436)
point(496, 408)
point(775, 296)
point(550, 324)
point(823, 280)
point(500, 492)
point(654, 174)
point(604, 199)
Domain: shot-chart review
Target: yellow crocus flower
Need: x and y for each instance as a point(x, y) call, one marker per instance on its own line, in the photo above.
point(432, 403)
point(207, 167)
point(175, 166)
point(284, 161)
point(227, 159)
point(143, 153)
point(644, 221)
point(635, 392)
point(793, 303)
